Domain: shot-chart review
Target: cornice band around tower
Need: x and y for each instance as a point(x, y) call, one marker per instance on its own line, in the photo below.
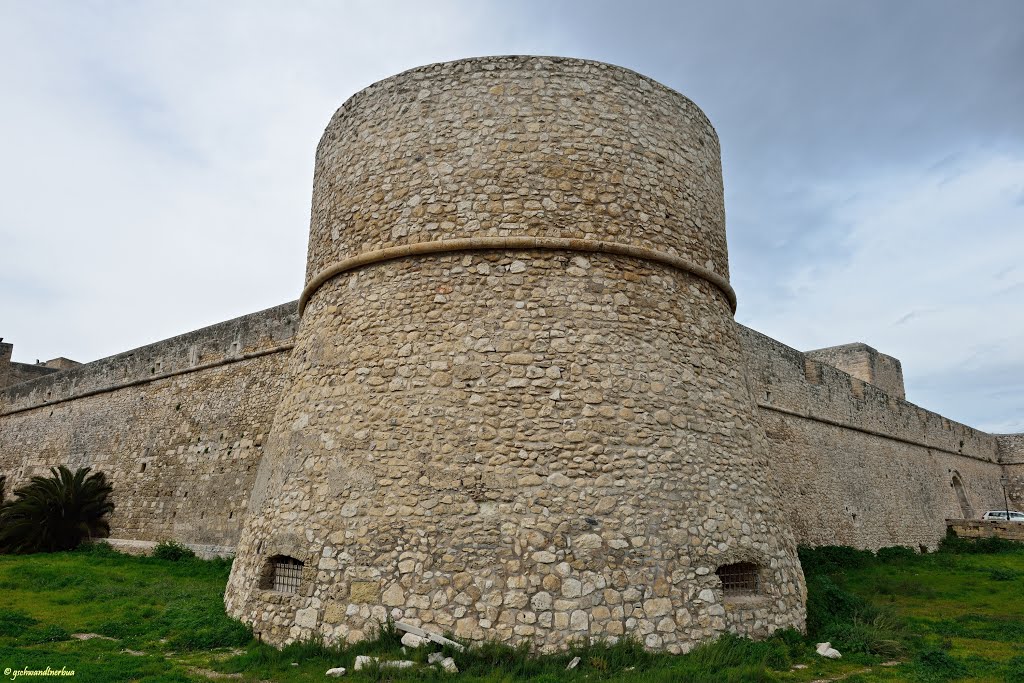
point(516, 242)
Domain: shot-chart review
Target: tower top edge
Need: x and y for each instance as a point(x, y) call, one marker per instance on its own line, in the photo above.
point(538, 62)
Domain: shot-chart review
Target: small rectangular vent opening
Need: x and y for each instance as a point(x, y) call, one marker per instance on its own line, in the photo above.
point(741, 578)
point(286, 574)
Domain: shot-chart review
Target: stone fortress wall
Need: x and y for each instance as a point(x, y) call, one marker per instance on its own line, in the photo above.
point(867, 472)
point(860, 466)
point(1011, 453)
point(517, 404)
point(177, 427)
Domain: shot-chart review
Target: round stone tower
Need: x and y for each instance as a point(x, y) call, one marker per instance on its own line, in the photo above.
point(518, 408)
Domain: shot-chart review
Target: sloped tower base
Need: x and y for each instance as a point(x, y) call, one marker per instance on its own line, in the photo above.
point(517, 409)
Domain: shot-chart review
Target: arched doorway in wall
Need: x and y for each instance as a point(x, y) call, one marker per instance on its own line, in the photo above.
point(961, 496)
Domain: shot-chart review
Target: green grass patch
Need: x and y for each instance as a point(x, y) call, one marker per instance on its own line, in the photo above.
point(953, 615)
point(956, 614)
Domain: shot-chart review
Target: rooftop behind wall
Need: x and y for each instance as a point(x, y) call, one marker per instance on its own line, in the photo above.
point(61, 363)
point(15, 373)
point(866, 364)
point(244, 337)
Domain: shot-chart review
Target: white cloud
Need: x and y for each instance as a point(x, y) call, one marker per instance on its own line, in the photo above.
point(929, 271)
point(160, 174)
point(157, 163)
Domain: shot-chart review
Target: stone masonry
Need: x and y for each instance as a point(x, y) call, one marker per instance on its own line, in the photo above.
point(511, 401)
point(517, 432)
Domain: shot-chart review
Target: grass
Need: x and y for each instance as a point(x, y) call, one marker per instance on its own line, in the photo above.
point(953, 615)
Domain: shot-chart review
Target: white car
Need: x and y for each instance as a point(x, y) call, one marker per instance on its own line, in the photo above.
point(1002, 514)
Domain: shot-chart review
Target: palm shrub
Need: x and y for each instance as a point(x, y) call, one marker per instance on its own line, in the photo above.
point(57, 512)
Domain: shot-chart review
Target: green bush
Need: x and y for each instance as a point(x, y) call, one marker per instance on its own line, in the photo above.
point(828, 603)
point(953, 544)
point(173, 551)
point(97, 548)
point(56, 513)
point(880, 634)
point(896, 554)
point(833, 559)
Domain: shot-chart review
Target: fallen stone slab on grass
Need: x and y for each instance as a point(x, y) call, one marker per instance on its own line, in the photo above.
point(448, 664)
point(209, 673)
point(90, 636)
point(826, 650)
point(440, 640)
point(364, 661)
point(412, 640)
point(336, 671)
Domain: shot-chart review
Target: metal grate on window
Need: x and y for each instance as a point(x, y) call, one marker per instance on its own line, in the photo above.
point(287, 573)
point(739, 579)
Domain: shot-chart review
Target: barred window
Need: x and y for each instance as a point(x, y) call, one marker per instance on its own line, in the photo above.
point(739, 579)
point(282, 574)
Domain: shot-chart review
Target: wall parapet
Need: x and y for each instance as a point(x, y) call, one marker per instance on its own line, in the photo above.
point(1011, 455)
point(1011, 448)
point(242, 338)
point(789, 381)
point(977, 528)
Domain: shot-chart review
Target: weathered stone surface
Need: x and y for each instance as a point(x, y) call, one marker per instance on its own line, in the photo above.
point(574, 375)
point(394, 596)
point(545, 439)
point(306, 618)
point(412, 640)
point(178, 427)
point(364, 591)
point(849, 455)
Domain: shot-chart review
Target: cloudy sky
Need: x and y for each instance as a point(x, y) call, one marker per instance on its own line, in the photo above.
point(156, 161)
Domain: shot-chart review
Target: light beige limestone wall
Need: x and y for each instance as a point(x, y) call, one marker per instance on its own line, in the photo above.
point(860, 467)
point(177, 427)
point(1011, 454)
point(517, 443)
